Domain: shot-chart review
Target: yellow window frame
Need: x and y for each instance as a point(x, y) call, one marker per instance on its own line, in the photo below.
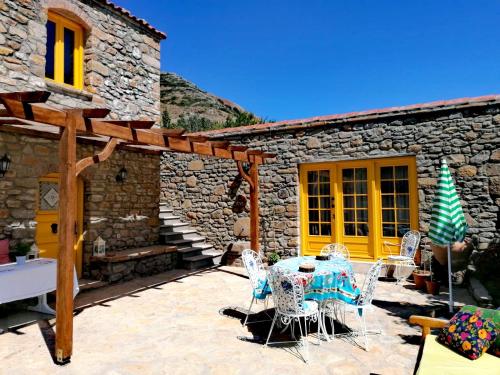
point(62, 23)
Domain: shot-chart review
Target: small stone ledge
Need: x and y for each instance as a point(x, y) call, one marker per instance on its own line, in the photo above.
point(129, 264)
point(59, 88)
point(479, 293)
point(132, 254)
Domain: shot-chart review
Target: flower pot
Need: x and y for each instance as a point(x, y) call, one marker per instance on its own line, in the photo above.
point(419, 279)
point(20, 260)
point(432, 287)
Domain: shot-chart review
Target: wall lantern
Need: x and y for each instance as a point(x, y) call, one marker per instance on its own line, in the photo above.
point(122, 175)
point(99, 248)
point(4, 165)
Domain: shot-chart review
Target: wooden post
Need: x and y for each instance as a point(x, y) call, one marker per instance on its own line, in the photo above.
point(65, 256)
point(252, 177)
point(254, 207)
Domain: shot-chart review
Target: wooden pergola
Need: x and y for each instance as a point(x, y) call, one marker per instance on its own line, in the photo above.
point(27, 113)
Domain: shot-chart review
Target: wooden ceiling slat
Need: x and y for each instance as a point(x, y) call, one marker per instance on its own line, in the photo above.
point(223, 153)
point(237, 148)
point(197, 138)
point(27, 96)
point(267, 155)
point(255, 152)
point(179, 144)
point(220, 144)
point(169, 132)
point(132, 124)
point(204, 148)
point(95, 112)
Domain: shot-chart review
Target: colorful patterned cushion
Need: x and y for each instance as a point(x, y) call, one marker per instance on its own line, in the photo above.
point(493, 316)
point(469, 334)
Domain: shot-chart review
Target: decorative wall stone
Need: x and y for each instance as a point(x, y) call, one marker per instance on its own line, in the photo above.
point(468, 138)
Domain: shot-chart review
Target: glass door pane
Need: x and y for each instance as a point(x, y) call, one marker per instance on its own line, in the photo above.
point(355, 196)
point(319, 208)
point(395, 194)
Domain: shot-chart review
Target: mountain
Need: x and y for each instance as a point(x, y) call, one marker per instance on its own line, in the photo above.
point(183, 104)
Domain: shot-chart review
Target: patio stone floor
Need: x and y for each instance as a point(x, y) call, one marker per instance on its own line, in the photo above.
point(164, 325)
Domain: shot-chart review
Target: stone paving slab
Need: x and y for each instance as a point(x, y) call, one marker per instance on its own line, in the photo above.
point(141, 327)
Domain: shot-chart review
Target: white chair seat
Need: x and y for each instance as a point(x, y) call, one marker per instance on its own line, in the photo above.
point(311, 307)
point(400, 258)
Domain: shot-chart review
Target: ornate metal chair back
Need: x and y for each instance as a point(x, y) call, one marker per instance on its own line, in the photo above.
point(409, 243)
point(288, 291)
point(335, 250)
point(370, 283)
point(253, 264)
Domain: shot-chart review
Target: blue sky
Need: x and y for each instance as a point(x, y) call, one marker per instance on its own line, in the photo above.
point(294, 59)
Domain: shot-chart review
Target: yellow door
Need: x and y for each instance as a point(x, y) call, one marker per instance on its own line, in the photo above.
point(355, 208)
point(47, 218)
point(317, 206)
point(366, 205)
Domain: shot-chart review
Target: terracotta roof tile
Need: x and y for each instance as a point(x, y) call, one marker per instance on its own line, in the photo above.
point(138, 20)
point(353, 116)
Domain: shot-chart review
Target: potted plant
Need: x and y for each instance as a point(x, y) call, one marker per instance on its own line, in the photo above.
point(273, 258)
point(432, 285)
point(421, 275)
point(21, 250)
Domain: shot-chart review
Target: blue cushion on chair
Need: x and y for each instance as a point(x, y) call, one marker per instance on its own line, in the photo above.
point(263, 290)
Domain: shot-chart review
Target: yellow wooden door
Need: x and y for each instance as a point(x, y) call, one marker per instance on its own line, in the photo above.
point(317, 207)
point(47, 218)
point(372, 203)
point(355, 208)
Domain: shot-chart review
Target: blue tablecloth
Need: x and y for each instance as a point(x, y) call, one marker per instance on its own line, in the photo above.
point(330, 279)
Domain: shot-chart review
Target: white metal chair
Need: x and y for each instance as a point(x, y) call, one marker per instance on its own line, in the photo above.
point(363, 302)
point(404, 262)
point(335, 250)
point(257, 276)
point(290, 305)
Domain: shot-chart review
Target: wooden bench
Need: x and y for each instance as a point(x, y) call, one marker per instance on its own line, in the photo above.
point(435, 358)
point(127, 264)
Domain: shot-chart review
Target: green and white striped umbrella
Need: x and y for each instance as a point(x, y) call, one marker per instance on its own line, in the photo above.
point(447, 221)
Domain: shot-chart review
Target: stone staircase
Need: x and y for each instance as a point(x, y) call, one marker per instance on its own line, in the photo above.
point(193, 252)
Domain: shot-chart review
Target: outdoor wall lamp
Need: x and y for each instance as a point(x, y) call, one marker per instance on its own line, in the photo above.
point(4, 165)
point(122, 175)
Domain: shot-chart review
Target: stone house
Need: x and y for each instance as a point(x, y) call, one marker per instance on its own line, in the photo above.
point(362, 179)
point(86, 54)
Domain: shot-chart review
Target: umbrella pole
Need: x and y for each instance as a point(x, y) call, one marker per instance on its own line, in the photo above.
point(450, 287)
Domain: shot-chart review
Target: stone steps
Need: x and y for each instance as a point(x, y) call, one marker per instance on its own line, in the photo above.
point(193, 252)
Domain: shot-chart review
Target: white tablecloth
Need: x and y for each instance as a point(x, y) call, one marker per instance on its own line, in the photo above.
point(35, 278)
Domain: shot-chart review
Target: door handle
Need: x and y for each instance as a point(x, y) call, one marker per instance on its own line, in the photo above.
point(53, 228)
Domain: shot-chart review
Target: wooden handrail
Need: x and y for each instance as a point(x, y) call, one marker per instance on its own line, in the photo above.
point(427, 323)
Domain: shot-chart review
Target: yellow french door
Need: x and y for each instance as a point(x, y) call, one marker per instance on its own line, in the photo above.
point(366, 205)
point(318, 206)
point(47, 218)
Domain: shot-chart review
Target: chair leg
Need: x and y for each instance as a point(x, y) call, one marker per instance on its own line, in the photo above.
point(364, 330)
point(304, 341)
point(271, 330)
point(249, 309)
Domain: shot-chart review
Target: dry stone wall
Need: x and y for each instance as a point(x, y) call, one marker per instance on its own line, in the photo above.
point(121, 59)
point(124, 214)
point(198, 189)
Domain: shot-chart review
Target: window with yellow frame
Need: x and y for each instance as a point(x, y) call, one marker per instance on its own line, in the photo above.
point(64, 57)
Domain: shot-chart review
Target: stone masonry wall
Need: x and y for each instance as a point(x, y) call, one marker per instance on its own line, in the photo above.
point(469, 139)
point(125, 214)
point(121, 59)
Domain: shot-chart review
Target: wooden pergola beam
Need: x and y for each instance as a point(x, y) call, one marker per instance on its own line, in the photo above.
point(29, 108)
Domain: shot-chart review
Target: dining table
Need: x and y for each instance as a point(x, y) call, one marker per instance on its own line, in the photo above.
point(331, 279)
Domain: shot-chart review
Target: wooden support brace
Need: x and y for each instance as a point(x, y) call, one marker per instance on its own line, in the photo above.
point(103, 155)
point(252, 177)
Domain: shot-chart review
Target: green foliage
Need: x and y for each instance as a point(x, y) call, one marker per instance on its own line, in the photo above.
point(195, 123)
point(243, 118)
point(273, 258)
point(165, 119)
point(22, 248)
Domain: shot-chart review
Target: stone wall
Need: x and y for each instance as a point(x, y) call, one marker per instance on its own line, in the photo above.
point(469, 138)
point(121, 59)
point(124, 214)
